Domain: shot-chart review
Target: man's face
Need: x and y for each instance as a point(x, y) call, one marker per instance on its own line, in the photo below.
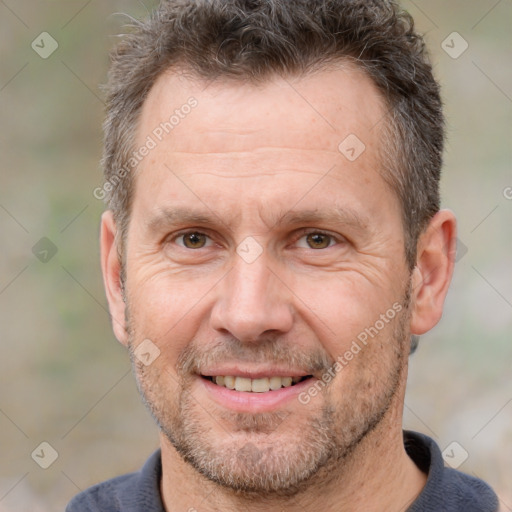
point(257, 249)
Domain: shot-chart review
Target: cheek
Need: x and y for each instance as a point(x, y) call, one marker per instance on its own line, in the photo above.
point(161, 299)
point(371, 364)
point(344, 307)
point(169, 315)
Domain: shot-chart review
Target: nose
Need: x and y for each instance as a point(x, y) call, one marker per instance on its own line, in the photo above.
point(253, 302)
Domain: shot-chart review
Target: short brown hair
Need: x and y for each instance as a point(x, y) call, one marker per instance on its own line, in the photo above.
point(254, 39)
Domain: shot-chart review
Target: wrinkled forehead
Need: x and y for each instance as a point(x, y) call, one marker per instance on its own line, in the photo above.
point(314, 110)
point(243, 146)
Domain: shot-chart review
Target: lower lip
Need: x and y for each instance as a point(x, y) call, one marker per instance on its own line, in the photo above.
point(243, 401)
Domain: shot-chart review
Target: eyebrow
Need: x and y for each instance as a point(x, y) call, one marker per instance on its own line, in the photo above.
point(337, 216)
point(167, 217)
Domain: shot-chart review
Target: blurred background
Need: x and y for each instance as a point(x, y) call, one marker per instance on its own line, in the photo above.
point(66, 381)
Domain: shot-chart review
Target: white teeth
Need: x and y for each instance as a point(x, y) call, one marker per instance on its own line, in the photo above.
point(229, 382)
point(261, 385)
point(243, 384)
point(275, 383)
point(287, 381)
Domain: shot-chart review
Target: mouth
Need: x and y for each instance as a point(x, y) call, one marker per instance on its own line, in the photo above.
point(259, 385)
point(255, 390)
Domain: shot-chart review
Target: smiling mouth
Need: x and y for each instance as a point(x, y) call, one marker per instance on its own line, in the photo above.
point(262, 385)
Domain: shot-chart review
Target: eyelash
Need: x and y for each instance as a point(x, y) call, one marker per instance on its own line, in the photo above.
point(302, 233)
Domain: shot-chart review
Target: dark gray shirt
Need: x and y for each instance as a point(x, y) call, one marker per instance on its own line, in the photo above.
point(446, 490)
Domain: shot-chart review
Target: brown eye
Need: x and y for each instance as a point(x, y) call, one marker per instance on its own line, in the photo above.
point(194, 240)
point(318, 240)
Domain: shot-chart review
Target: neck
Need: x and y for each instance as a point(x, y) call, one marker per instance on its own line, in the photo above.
point(377, 475)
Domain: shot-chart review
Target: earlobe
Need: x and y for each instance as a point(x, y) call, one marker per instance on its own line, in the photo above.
point(111, 269)
point(433, 272)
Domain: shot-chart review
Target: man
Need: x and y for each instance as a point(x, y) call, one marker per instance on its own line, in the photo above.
point(273, 243)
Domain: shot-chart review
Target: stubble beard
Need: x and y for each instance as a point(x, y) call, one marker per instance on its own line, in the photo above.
point(274, 454)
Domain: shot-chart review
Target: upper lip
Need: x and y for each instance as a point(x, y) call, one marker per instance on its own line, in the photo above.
point(253, 373)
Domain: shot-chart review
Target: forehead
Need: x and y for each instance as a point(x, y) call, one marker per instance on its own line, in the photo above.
point(317, 110)
point(220, 142)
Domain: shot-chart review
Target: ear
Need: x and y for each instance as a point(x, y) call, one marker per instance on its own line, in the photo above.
point(111, 269)
point(433, 272)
